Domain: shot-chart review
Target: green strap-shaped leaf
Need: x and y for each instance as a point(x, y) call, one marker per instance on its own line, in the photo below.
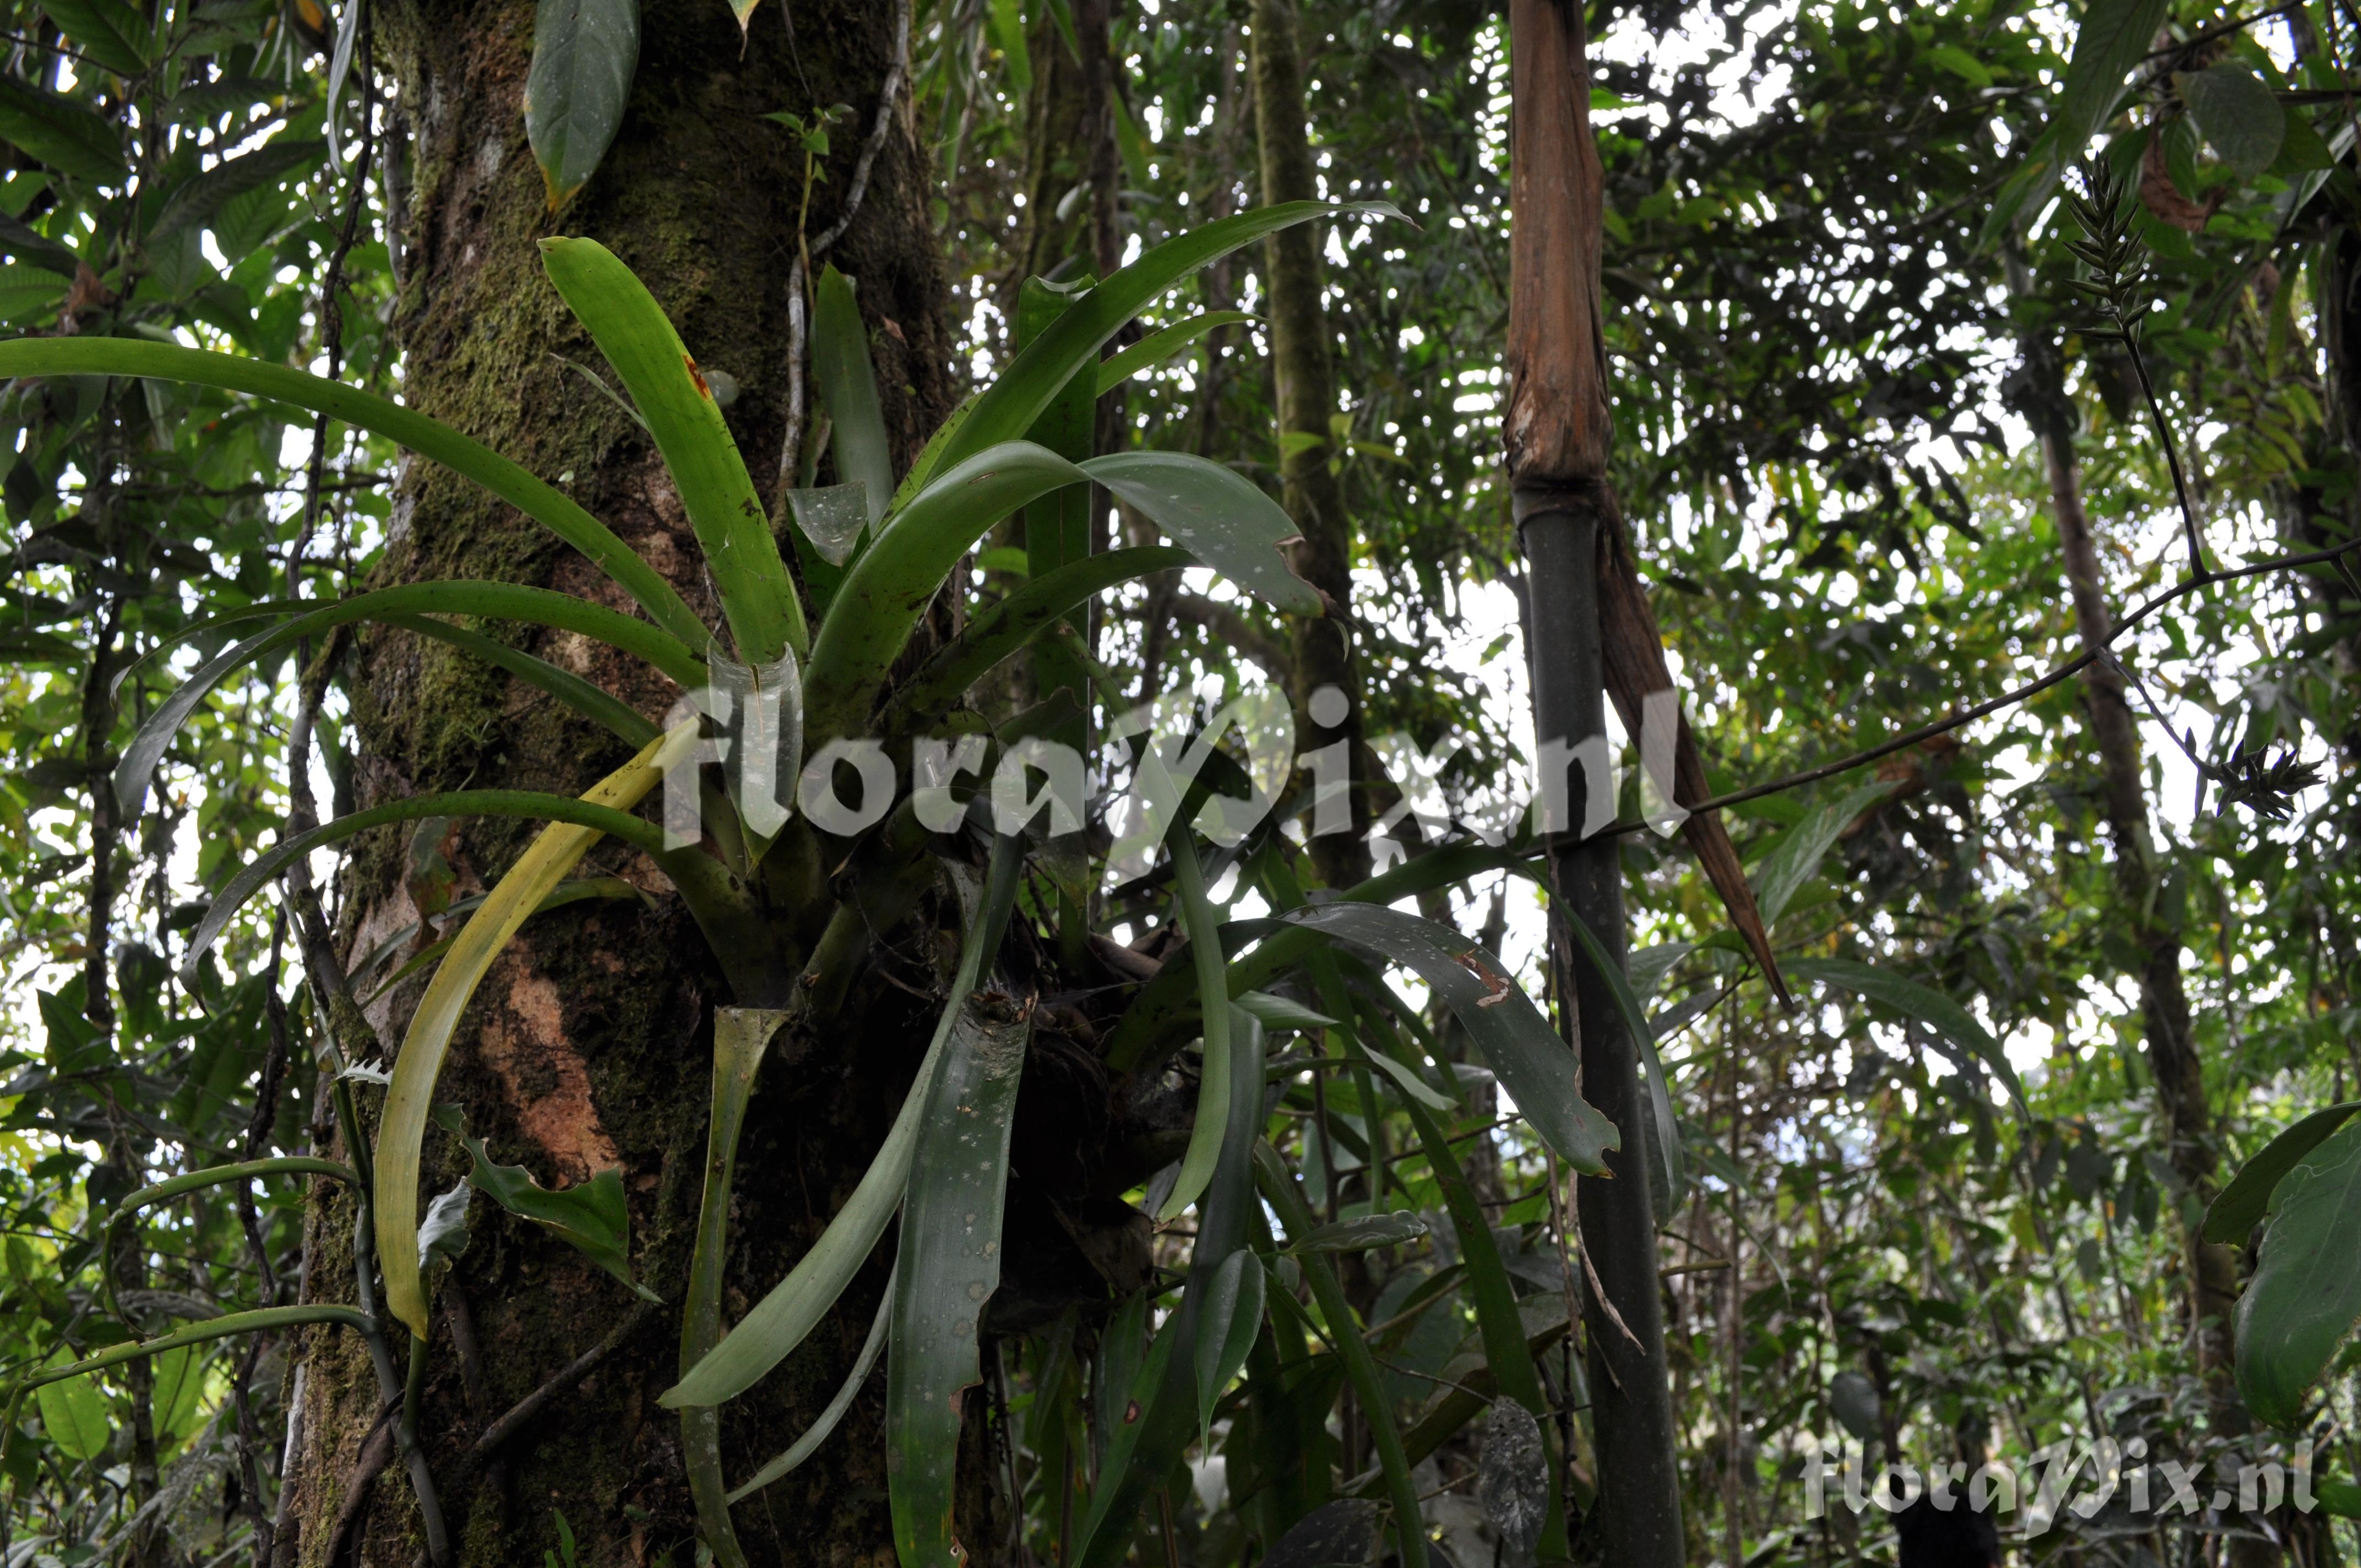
point(585, 53)
point(502, 601)
point(781, 1319)
point(1017, 396)
point(1146, 1447)
point(1361, 1234)
point(2304, 1301)
point(1154, 1022)
point(262, 1320)
point(1279, 1188)
point(889, 586)
point(2242, 1203)
point(409, 1096)
point(1667, 1163)
point(1226, 1327)
point(1161, 345)
point(589, 700)
point(1002, 628)
point(265, 868)
point(1203, 923)
point(1522, 1051)
point(630, 329)
point(428, 438)
point(1923, 1003)
point(948, 1269)
point(807, 1445)
point(1220, 517)
point(741, 1037)
point(70, 137)
point(848, 382)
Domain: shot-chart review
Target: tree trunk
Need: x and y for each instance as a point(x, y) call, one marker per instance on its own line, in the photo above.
point(588, 1044)
point(2140, 888)
point(1300, 357)
point(1556, 429)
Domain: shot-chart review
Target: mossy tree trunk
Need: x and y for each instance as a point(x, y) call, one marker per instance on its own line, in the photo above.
point(589, 1045)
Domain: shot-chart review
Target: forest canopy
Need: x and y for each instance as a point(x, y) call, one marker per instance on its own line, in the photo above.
point(1189, 781)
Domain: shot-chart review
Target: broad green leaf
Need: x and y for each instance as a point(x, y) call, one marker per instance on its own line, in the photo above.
point(1226, 1327)
point(1161, 345)
point(2114, 37)
point(1800, 850)
point(1217, 515)
point(1004, 625)
point(2342, 1498)
point(1056, 528)
point(71, 137)
point(25, 291)
point(1531, 1063)
point(585, 53)
point(807, 1445)
point(428, 438)
point(106, 31)
point(2241, 119)
point(630, 329)
point(539, 607)
point(401, 1127)
point(1007, 409)
point(840, 366)
point(2304, 1301)
point(75, 1414)
point(1201, 922)
point(2242, 1205)
point(591, 1217)
point(179, 1394)
point(1923, 1003)
point(196, 201)
point(587, 815)
point(1361, 1234)
point(948, 1269)
point(781, 1319)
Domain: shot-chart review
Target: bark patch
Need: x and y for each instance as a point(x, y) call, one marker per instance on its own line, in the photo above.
point(548, 1083)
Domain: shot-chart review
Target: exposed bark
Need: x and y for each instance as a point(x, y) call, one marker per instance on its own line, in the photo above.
point(1300, 354)
point(2172, 1058)
point(587, 1044)
point(1557, 432)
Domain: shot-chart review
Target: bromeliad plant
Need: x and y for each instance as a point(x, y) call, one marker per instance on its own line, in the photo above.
point(814, 661)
